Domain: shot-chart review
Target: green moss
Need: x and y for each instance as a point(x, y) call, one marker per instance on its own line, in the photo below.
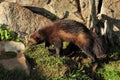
point(10, 54)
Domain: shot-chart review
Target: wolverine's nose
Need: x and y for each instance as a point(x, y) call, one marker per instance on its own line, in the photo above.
point(31, 42)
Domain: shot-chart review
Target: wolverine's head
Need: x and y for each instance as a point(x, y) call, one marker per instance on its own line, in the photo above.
point(35, 38)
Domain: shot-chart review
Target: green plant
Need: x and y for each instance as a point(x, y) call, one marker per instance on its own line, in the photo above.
point(7, 34)
point(110, 71)
point(79, 74)
point(49, 67)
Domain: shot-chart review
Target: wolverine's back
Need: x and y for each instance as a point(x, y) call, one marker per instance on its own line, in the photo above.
point(72, 26)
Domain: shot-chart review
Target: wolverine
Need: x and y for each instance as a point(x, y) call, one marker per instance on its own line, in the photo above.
point(70, 31)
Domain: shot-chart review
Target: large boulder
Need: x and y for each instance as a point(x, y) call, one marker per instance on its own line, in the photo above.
point(20, 19)
point(60, 8)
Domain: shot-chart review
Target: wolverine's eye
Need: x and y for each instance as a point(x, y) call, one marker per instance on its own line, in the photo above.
point(38, 40)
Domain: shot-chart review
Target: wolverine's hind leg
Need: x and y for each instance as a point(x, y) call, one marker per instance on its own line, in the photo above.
point(47, 44)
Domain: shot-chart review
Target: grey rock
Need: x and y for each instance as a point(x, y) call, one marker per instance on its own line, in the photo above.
point(20, 19)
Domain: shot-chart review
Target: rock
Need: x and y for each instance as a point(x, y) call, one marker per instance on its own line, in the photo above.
point(18, 62)
point(110, 11)
point(109, 7)
point(37, 3)
point(20, 19)
point(17, 47)
point(65, 9)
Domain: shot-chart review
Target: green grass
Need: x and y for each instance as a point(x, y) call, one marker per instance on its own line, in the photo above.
point(45, 66)
point(110, 71)
point(53, 68)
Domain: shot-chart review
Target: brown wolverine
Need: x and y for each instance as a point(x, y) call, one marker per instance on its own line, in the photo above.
point(71, 31)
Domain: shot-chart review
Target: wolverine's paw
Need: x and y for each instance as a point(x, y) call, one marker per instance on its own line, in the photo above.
point(94, 66)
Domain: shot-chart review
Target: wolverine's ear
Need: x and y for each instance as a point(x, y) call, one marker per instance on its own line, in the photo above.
point(29, 36)
point(34, 34)
point(41, 34)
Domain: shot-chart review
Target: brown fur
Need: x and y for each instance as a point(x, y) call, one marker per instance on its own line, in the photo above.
point(65, 30)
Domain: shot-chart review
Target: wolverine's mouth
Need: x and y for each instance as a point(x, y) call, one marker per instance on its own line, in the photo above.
point(30, 44)
point(34, 42)
point(39, 42)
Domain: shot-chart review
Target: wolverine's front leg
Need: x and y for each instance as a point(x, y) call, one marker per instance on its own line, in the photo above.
point(47, 44)
point(58, 47)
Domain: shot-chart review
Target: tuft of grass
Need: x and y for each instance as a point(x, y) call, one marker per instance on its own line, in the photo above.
point(110, 71)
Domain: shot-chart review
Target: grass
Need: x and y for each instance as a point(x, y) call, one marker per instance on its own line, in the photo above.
point(45, 66)
point(111, 71)
point(53, 68)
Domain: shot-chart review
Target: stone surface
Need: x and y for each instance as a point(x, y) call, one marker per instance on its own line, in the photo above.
point(111, 12)
point(17, 47)
point(37, 3)
point(66, 8)
point(109, 7)
point(20, 19)
point(17, 62)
